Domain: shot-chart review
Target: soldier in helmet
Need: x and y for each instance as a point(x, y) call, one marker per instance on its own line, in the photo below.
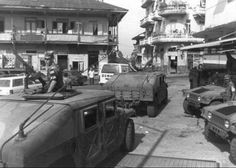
point(53, 72)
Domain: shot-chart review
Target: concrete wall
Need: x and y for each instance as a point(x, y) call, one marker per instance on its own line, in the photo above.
point(220, 12)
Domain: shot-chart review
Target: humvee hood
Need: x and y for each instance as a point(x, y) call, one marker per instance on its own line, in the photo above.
point(208, 88)
point(227, 108)
point(13, 113)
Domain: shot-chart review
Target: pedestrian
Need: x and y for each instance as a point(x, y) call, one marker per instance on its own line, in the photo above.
point(91, 75)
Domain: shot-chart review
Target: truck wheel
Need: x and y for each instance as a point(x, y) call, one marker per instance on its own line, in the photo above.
point(233, 149)
point(186, 107)
point(129, 138)
point(152, 110)
point(210, 135)
point(166, 98)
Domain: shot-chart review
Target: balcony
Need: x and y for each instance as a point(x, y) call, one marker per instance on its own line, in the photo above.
point(98, 40)
point(172, 10)
point(5, 37)
point(146, 3)
point(62, 38)
point(29, 37)
point(146, 41)
point(147, 21)
point(167, 38)
point(156, 16)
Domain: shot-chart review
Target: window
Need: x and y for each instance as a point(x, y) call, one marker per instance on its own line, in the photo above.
point(4, 83)
point(18, 82)
point(2, 29)
point(33, 24)
point(110, 109)
point(108, 68)
point(90, 117)
point(60, 26)
point(124, 69)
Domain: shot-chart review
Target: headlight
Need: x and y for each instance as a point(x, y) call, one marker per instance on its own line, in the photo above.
point(209, 115)
point(227, 124)
point(199, 98)
point(188, 95)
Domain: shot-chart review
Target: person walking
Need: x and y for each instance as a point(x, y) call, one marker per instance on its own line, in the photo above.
point(91, 75)
point(230, 90)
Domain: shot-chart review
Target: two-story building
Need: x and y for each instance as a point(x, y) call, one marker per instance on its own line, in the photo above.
point(80, 32)
point(169, 24)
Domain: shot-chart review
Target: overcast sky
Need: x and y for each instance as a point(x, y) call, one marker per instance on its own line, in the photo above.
point(130, 24)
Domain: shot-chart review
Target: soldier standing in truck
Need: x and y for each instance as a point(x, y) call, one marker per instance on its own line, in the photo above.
point(53, 73)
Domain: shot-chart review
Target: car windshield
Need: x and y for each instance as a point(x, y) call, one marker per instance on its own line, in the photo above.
point(108, 68)
point(4, 83)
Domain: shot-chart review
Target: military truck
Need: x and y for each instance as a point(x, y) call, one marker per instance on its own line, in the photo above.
point(38, 130)
point(220, 123)
point(140, 89)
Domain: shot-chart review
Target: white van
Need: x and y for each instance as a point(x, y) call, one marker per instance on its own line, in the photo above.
point(109, 69)
point(14, 84)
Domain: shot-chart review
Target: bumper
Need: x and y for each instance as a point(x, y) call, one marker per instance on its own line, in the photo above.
point(218, 131)
point(194, 104)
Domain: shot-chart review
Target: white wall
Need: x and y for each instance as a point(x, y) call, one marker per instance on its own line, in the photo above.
point(220, 12)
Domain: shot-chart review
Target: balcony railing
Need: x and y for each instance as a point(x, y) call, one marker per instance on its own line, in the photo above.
point(173, 10)
point(146, 41)
point(26, 37)
point(62, 38)
point(156, 16)
point(146, 3)
point(22, 36)
point(5, 37)
point(93, 39)
point(165, 38)
point(147, 21)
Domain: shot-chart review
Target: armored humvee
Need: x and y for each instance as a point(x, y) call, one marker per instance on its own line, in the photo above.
point(40, 129)
point(220, 123)
point(200, 97)
point(135, 89)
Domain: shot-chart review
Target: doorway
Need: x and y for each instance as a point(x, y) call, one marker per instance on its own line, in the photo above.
point(173, 64)
point(62, 61)
point(93, 58)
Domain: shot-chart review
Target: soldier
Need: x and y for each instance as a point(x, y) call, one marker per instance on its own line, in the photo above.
point(53, 73)
point(230, 90)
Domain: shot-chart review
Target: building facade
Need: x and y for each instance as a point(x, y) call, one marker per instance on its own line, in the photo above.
point(169, 25)
point(81, 33)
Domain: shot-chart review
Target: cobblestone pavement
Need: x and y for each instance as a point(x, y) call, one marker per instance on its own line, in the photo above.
point(173, 134)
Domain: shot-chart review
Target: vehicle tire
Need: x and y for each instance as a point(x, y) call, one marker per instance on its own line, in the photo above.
point(186, 107)
point(215, 102)
point(152, 110)
point(166, 98)
point(129, 138)
point(233, 149)
point(210, 135)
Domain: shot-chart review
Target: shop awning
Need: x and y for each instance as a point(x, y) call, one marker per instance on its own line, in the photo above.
point(209, 44)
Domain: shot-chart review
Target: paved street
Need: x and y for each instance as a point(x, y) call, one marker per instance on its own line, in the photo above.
point(174, 134)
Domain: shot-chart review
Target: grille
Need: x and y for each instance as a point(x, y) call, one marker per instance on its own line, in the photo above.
point(218, 120)
point(193, 96)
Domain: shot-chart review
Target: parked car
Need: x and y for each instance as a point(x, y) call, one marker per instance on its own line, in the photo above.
point(40, 130)
point(15, 84)
point(76, 77)
point(220, 123)
point(110, 69)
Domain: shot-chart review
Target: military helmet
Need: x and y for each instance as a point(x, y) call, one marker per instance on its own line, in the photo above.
point(49, 55)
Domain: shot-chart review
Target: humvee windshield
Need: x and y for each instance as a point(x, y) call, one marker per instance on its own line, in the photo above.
point(5, 83)
point(110, 68)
